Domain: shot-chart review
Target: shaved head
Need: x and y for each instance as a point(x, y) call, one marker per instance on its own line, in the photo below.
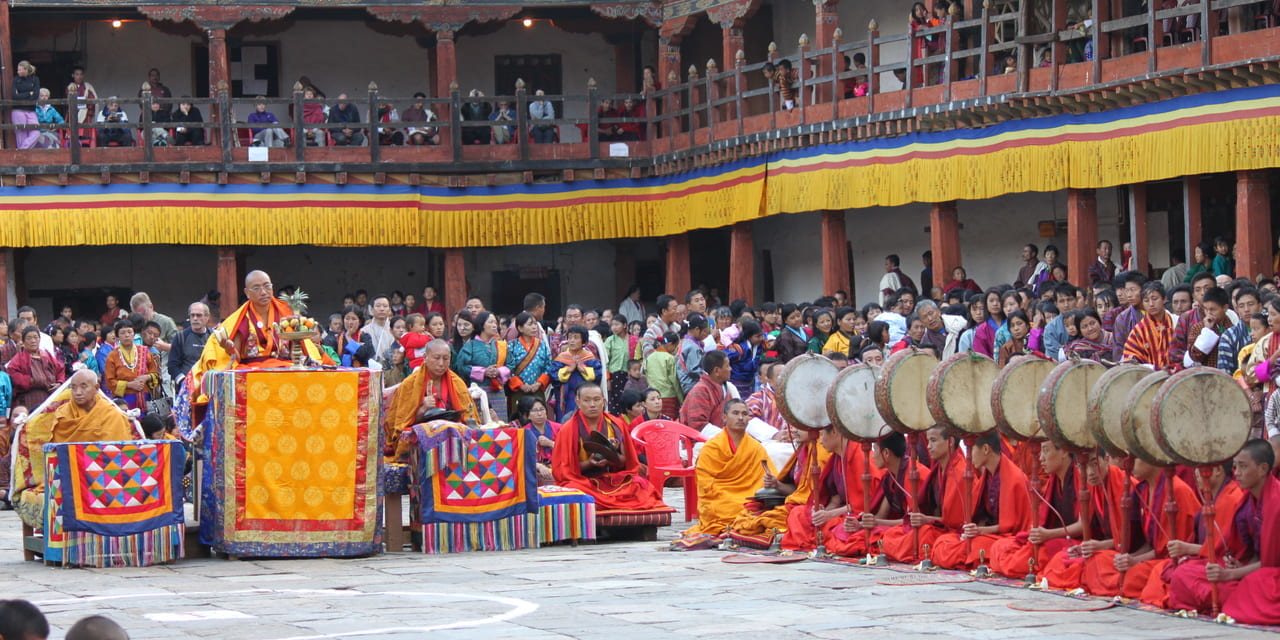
point(84, 389)
point(256, 274)
point(96, 628)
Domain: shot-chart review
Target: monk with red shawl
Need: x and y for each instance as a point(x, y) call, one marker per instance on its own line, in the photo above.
point(1056, 522)
point(888, 498)
point(433, 385)
point(615, 485)
point(1001, 508)
point(758, 525)
point(1247, 567)
point(1106, 482)
point(940, 505)
point(830, 500)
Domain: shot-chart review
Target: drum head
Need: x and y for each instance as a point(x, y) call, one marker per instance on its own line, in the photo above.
point(851, 403)
point(1061, 404)
point(1139, 439)
point(1013, 397)
point(1107, 401)
point(1201, 416)
point(802, 391)
point(959, 394)
point(900, 391)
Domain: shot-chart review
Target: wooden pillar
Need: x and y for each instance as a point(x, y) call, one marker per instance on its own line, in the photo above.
point(1191, 213)
point(219, 62)
point(835, 253)
point(679, 280)
point(733, 42)
point(825, 23)
point(229, 282)
point(1253, 224)
point(446, 64)
point(742, 262)
point(8, 69)
point(668, 59)
point(1138, 226)
point(1082, 233)
point(944, 240)
point(455, 280)
point(5, 254)
point(624, 66)
point(624, 269)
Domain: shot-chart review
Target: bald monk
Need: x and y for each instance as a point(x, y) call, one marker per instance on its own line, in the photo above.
point(940, 505)
point(1001, 508)
point(888, 497)
point(795, 481)
point(1056, 523)
point(433, 385)
point(1106, 490)
point(96, 628)
point(829, 503)
point(616, 485)
point(731, 468)
point(1247, 567)
point(843, 536)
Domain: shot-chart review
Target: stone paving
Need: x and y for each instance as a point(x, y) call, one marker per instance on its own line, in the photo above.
point(617, 591)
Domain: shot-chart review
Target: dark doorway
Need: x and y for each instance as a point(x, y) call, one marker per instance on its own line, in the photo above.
point(510, 287)
point(708, 259)
point(254, 69)
point(87, 303)
point(539, 71)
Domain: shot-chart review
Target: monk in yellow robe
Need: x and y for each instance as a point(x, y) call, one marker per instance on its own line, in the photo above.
point(796, 480)
point(731, 468)
point(432, 386)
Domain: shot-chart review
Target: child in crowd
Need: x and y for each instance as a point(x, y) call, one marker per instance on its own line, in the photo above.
point(660, 371)
point(635, 376)
point(415, 340)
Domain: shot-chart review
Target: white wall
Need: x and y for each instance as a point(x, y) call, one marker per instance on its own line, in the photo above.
point(791, 19)
point(583, 56)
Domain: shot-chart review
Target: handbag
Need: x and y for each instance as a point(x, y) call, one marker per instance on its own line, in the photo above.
point(160, 404)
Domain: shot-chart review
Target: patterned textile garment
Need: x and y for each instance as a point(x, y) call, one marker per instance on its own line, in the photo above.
point(1149, 341)
point(1230, 344)
point(1124, 323)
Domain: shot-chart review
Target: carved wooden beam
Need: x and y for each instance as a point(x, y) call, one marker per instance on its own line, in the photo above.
point(216, 16)
point(440, 19)
point(650, 12)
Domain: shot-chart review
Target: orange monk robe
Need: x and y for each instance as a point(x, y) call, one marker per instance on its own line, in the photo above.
point(244, 322)
point(618, 486)
point(1160, 593)
point(1010, 556)
point(940, 496)
point(801, 533)
point(887, 488)
point(102, 423)
point(759, 525)
point(1100, 576)
point(1256, 600)
point(728, 475)
point(1063, 571)
point(406, 404)
point(1001, 498)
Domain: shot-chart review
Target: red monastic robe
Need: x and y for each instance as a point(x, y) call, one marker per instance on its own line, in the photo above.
point(885, 487)
point(801, 533)
point(939, 496)
point(1011, 555)
point(1064, 572)
point(1010, 510)
point(618, 487)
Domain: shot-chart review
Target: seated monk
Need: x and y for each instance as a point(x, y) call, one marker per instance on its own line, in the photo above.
point(1056, 524)
point(796, 481)
point(1001, 508)
point(1064, 569)
point(888, 498)
point(731, 468)
point(615, 485)
point(1247, 567)
point(433, 385)
point(940, 505)
point(830, 502)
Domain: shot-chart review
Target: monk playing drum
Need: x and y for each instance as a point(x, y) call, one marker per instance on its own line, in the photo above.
point(432, 386)
point(615, 483)
point(889, 499)
point(760, 525)
point(1106, 490)
point(830, 502)
point(1247, 570)
point(940, 505)
point(1055, 525)
point(1000, 508)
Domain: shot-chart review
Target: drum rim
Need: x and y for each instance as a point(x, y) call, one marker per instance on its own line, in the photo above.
point(934, 391)
point(1148, 384)
point(884, 391)
point(1166, 389)
point(833, 403)
point(780, 394)
point(1094, 408)
point(1045, 407)
point(997, 397)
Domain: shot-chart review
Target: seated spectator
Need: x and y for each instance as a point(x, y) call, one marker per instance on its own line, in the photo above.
point(387, 113)
point(607, 132)
point(26, 87)
point(313, 113)
point(266, 136)
point(476, 109)
point(47, 114)
point(116, 137)
point(419, 135)
point(185, 114)
point(502, 134)
point(542, 112)
point(631, 130)
point(345, 113)
point(856, 87)
point(159, 133)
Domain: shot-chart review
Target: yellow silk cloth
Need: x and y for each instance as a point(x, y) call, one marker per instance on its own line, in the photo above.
point(809, 456)
point(301, 450)
point(726, 479)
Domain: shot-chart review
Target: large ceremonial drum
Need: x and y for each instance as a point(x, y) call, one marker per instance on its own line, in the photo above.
point(802, 391)
point(851, 403)
point(1139, 439)
point(1107, 401)
point(1013, 397)
point(1061, 403)
point(959, 394)
point(900, 391)
point(1200, 416)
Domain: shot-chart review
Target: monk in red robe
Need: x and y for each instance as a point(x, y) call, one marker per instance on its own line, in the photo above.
point(615, 485)
point(1106, 483)
point(940, 505)
point(1056, 522)
point(1247, 567)
point(888, 498)
point(1001, 508)
point(843, 536)
point(830, 502)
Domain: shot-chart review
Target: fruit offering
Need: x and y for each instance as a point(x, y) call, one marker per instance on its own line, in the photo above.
point(295, 324)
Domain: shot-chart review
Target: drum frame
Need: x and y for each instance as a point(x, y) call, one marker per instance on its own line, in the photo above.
point(933, 395)
point(1046, 405)
point(1101, 392)
point(833, 404)
point(1007, 374)
point(780, 395)
point(885, 389)
point(1167, 391)
point(1149, 384)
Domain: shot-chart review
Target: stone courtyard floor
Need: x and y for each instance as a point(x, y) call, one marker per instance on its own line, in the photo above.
point(613, 591)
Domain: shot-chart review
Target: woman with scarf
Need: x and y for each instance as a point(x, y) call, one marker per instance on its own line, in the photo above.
point(34, 373)
point(792, 339)
point(532, 414)
point(352, 346)
point(482, 360)
point(1093, 343)
point(821, 324)
point(574, 367)
point(984, 338)
point(529, 360)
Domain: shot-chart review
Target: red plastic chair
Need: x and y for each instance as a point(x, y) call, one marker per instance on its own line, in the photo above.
point(662, 440)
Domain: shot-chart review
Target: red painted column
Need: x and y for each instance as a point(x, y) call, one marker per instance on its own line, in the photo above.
point(4, 282)
point(679, 280)
point(1082, 233)
point(229, 282)
point(1253, 224)
point(835, 253)
point(8, 69)
point(733, 41)
point(825, 23)
point(446, 65)
point(1191, 213)
point(455, 280)
point(944, 240)
point(742, 262)
point(1138, 225)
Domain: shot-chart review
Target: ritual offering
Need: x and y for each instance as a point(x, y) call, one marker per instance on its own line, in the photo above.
point(297, 327)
